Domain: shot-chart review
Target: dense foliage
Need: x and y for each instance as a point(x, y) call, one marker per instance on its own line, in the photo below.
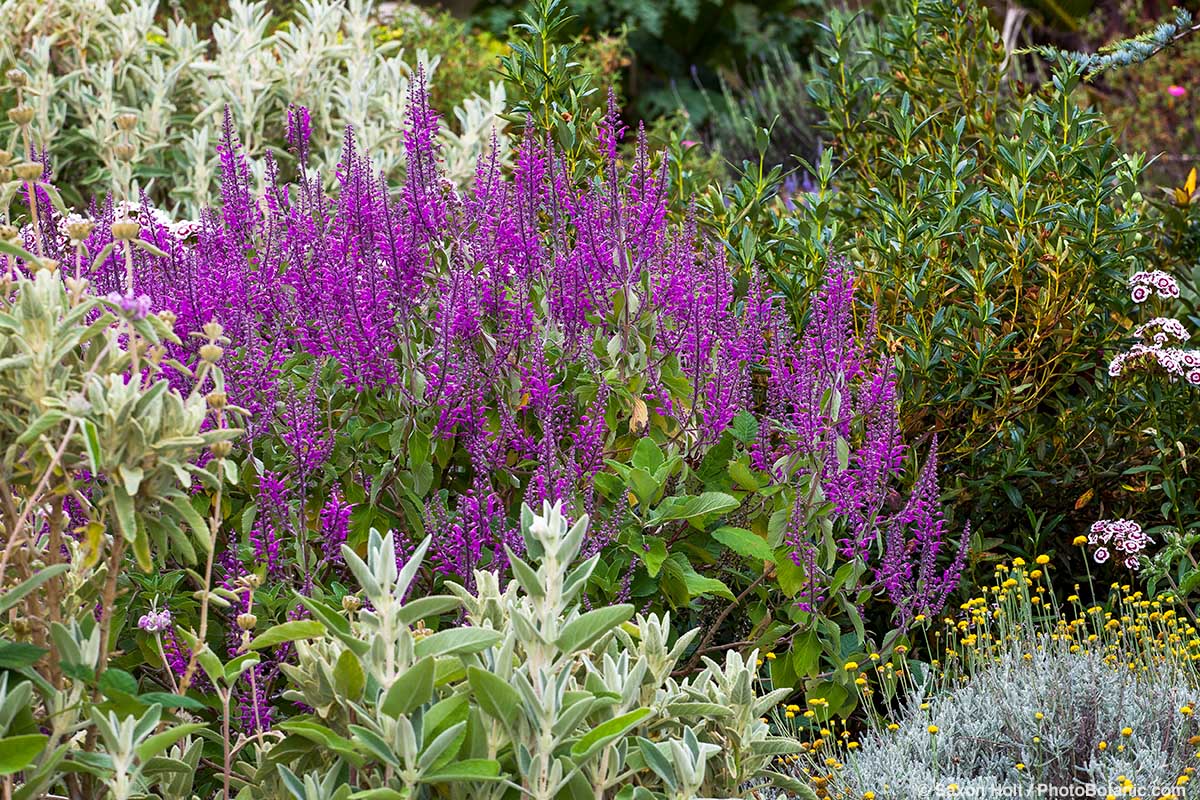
point(357, 450)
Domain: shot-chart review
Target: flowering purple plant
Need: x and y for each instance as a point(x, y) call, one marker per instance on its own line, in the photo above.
point(428, 358)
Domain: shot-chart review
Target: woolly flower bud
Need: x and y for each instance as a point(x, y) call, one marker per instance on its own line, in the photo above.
point(212, 330)
point(220, 449)
point(247, 621)
point(127, 121)
point(48, 264)
point(78, 231)
point(5, 157)
point(29, 171)
point(168, 316)
point(351, 604)
point(211, 353)
point(16, 77)
point(125, 152)
point(21, 115)
point(216, 399)
point(8, 232)
point(126, 230)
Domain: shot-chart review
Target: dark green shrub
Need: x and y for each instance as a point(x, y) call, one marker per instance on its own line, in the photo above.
point(995, 223)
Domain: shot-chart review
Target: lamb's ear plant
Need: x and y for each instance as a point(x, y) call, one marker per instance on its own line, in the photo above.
point(88, 64)
point(533, 693)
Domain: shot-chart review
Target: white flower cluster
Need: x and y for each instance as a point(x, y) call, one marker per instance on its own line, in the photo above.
point(1124, 536)
point(1176, 362)
point(1143, 285)
point(182, 229)
point(1162, 330)
point(1157, 334)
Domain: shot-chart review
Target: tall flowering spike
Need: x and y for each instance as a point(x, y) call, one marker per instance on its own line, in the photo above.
point(238, 204)
point(335, 524)
point(916, 538)
point(303, 431)
point(273, 524)
point(425, 188)
point(299, 133)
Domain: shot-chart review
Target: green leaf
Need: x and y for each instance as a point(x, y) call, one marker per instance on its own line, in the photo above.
point(237, 666)
point(694, 583)
point(806, 653)
point(159, 742)
point(655, 556)
point(656, 760)
point(607, 732)
point(288, 632)
point(454, 641)
point(697, 507)
point(132, 478)
point(427, 607)
point(745, 427)
point(188, 514)
point(168, 700)
point(18, 655)
point(126, 513)
point(375, 745)
point(348, 677)
point(471, 769)
point(496, 697)
point(12, 250)
point(18, 752)
point(382, 793)
point(91, 441)
point(647, 455)
point(411, 690)
point(585, 629)
point(743, 476)
point(315, 732)
point(113, 679)
point(40, 425)
point(790, 577)
point(699, 710)
point(744, 543)
point(18, 592)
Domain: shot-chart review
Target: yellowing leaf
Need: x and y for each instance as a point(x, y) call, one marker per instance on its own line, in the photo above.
point(640, 415)
point(1084, 499)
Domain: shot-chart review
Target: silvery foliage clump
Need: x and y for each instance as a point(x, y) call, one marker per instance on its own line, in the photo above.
point(531, 693)
point(88, 417)
point(1130, 51)
point(987, 726)
point(90, 61)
